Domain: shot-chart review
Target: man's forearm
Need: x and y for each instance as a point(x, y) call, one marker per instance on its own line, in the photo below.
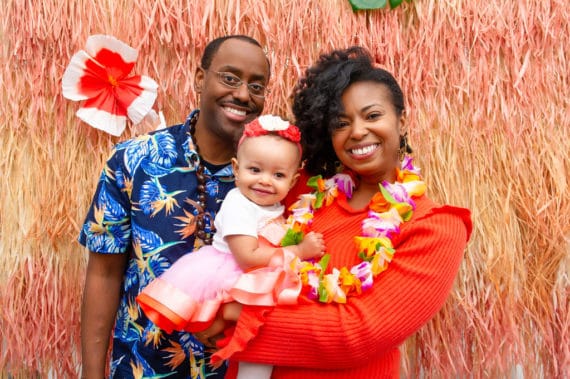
point(98, 311)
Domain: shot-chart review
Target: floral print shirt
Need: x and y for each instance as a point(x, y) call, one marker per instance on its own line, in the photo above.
point(144, 206)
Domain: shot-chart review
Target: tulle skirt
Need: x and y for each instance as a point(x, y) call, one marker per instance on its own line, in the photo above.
point(188, 295)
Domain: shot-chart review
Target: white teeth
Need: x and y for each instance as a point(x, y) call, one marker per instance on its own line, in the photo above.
point(363, 150)
point(235, 111)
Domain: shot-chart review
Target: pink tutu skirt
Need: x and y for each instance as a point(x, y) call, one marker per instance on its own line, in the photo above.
point(188, 295)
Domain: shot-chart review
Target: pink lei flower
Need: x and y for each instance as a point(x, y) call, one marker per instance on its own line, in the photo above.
point(100, 76)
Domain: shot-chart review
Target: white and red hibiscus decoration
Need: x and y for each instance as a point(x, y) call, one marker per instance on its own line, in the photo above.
point(100, 75)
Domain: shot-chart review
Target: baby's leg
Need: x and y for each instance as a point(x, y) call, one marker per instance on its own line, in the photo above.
point(231, 311)
point(247, 370)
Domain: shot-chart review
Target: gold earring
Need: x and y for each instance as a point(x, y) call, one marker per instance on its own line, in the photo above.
point(405, 148)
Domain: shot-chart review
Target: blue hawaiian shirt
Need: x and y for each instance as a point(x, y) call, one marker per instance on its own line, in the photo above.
point(144, 207)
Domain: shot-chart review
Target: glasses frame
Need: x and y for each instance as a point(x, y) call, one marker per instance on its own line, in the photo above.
point(220, 75)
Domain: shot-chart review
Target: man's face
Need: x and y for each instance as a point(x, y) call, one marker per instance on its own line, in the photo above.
point(223, 109)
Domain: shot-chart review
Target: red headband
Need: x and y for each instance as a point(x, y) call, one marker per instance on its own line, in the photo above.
point(269, 124)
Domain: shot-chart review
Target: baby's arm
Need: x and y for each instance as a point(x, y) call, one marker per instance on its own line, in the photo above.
point(249, 254)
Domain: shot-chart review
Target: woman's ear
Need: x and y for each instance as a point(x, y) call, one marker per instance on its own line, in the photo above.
point(402, 123)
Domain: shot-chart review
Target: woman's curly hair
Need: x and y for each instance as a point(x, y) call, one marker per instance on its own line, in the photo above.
point(317, 102)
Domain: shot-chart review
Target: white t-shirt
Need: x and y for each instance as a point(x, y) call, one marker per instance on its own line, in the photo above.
point(239, 215)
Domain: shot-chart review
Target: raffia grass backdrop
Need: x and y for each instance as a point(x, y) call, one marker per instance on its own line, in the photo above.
point(488, 101)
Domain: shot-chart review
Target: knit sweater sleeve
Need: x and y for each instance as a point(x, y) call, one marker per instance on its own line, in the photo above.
point(429, 250)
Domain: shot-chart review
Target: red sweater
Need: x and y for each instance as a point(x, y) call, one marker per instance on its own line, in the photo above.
point(360, 339)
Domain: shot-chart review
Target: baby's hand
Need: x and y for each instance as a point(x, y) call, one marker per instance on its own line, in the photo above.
point(312, 246)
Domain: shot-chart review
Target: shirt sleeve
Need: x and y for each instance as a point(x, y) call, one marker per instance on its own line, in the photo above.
point(237, 216)
point(107, 226)
point(403, 299)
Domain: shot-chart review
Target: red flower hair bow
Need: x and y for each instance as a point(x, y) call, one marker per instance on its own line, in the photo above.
point(269, 124)
point(100, 76)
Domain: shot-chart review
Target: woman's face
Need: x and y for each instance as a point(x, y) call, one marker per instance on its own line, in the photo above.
point(367, 139)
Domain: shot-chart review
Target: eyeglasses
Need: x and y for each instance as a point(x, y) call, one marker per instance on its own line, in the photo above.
point(232, 81)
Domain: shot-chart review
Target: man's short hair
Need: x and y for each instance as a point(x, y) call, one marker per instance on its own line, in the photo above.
point(214, 45)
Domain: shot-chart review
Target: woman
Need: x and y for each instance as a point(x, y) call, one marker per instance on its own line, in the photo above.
point(352, 119)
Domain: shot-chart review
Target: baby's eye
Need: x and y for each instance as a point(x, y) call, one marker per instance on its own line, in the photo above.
point(279, 175)
point(254, 169)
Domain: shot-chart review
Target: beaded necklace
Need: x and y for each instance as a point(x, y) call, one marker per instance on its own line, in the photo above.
point(204, 224)
point(389, 207)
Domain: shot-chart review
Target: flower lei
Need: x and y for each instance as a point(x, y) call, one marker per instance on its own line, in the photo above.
point(388, 208)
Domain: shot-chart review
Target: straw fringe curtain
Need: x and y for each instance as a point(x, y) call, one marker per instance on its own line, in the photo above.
point(488, 102)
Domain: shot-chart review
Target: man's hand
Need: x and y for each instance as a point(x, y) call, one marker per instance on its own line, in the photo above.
point(215, 332)
point(228, 312)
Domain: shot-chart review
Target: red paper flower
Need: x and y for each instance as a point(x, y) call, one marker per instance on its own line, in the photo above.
point(100, 76)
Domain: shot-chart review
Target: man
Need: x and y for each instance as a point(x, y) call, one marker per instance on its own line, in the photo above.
point(155, 201)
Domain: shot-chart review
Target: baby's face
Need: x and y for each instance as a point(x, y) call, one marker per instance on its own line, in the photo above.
point(266, 168)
